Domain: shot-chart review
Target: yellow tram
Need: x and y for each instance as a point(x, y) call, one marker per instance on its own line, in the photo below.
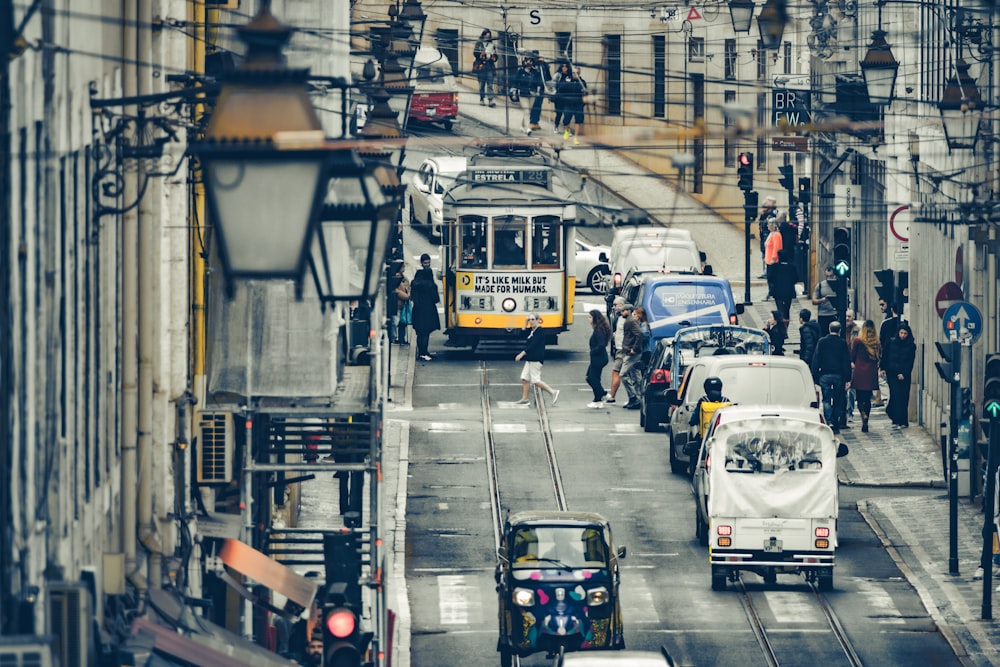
point(508, 246)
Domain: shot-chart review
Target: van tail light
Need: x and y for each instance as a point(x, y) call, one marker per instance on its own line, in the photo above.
point(732, 319)
point(724, 530)
point(660, 376)
point(822, 531)
point(454, 98)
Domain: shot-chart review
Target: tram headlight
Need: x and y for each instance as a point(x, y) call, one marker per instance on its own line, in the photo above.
point(524, 597)
point(508, 305)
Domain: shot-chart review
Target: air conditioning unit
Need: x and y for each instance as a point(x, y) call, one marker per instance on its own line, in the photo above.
point(71, 622)
point(215, 447)
point(25, 651)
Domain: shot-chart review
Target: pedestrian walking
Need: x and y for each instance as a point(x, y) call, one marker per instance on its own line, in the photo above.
point(771, 249)
point(784, 275)
point(570, 92)
point(865, 355)
point(777, 332)
point(600, 337)
point(425, 298)
point(400, 308)
point(521, 92)
point(851, 330)
point(632, 346)
point(887, 329)
point(897, 364)
point(616, 347)
point(831, 366)
point(768, 210)
point(563, 76)
point(647, 332)
point(543, 87)
point(533, 355)
point(809, 335)
point(484, 64)
point(824, 297)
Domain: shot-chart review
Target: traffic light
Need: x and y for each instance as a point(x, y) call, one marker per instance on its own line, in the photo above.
point(805, 190)
point(991, 388)
point(842, 251)
point(902, 290)
point(887, 287)
point(744, 170)
point(965, 404)
point(787, 179)
point(949, 364)
point(343, 641)
point(342, 559)
point(750, 205)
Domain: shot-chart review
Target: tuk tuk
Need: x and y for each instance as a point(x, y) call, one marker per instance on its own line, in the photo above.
point(435, 92)
point(558, 585)
point(772, 499)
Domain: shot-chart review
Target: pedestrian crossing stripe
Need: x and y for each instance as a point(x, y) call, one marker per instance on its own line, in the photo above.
point(693, 14)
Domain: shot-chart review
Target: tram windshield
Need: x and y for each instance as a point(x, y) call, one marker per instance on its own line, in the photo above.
point(545, 243)
point(474, 241)
point(508, 241)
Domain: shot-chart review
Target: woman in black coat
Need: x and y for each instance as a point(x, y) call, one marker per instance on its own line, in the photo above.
point(425, 298)
point(599, 339)
point(897, 363)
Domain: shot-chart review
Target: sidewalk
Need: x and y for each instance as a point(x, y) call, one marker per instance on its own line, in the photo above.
point(913, 530)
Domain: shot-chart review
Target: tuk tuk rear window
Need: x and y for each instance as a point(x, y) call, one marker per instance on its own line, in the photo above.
point(558, 546)
point(773, 452)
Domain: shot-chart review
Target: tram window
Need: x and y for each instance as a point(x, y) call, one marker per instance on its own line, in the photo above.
point(545, 245)
point(473, 241)
point(508, 241)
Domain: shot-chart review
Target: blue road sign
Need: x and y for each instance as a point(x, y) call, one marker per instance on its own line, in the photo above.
point(962, 320)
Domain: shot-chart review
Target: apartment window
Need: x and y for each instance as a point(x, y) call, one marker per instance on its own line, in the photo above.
point(730, 61)
point(728, 147)
point(613, 67)
point(787, 60)
point(762, 121)
point(659, 76)
point(564, 45)
point(696, 49)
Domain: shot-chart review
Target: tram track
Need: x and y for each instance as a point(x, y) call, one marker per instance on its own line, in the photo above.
point(770, 648)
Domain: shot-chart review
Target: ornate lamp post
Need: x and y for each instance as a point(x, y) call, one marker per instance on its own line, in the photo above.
point(880, 68)
point(741, 14)
point(771, 21)
point(959, 107)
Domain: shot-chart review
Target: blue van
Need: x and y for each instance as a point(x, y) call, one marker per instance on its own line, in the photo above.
point(675, 301)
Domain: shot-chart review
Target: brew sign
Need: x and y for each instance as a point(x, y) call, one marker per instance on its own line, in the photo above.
point(791, 107)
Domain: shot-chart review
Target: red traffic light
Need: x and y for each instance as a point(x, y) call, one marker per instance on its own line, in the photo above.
point(341, 623)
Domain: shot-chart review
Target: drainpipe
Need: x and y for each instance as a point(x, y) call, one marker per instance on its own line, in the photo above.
point(130, 323)
point(148, 271)
point(7, 610)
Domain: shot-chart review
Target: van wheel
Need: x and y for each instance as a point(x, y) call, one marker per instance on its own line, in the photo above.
point(448, 125)
point(825, 579)
point(718, 579)
point(770, 576)
point(676, 467)
point(700, 530)
point(506, 657)
point(413, 218)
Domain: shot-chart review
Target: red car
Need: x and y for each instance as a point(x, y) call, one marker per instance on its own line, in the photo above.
point(435, 94)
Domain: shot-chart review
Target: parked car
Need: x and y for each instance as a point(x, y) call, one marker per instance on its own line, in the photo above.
point(734, 413)
point(542, 555)
point(591, 271)
point(435, 91)
point(616, 659)
point(746, 380)
point(427, 187)
point(673, 301)
point(671, 357)
point(772, 500)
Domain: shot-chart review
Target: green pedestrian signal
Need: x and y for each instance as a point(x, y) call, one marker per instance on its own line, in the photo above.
point(991, 387)
point(992, 409)
point(842, 251)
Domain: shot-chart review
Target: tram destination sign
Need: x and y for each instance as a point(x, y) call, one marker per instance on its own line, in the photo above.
point(492, 176)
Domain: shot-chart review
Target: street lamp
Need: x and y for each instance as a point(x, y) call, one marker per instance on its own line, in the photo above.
point(741, 14)
point(771, 21)
point(264, 161)
point(959, 107)
point(879, 68)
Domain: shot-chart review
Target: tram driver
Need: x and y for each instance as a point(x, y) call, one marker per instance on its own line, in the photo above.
point(507, 252)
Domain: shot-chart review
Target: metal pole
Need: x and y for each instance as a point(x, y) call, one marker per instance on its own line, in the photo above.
point(989, 501)
point(956, 356)
point(746, 259)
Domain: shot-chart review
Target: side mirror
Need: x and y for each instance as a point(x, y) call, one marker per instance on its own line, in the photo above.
point(671, 397)
point(814, 404)
point(502, 554)
point(702, 255)
point(842, 450)
point(603, 257)
point(740, 308)
point(622, 552)
point(707, 271)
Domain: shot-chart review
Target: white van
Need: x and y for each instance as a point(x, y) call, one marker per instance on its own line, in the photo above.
point(654, 248)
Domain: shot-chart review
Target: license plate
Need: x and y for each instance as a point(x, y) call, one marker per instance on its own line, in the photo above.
point(772, 546)
point(431, 111)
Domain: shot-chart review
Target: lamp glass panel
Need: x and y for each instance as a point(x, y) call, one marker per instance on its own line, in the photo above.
point(960, 127)
point(338, 277)
point(880, 82)
point(264, 212)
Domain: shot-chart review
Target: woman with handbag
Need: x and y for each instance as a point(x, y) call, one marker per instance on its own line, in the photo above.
point(400, 307)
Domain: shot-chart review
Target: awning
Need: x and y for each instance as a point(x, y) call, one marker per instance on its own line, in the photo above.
point(221, 649)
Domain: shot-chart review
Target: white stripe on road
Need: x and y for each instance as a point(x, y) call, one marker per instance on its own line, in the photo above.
point(457, 600)
point(792, 608)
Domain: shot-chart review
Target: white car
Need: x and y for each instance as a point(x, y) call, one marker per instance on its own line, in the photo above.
point(591, 271)
point(427, 187)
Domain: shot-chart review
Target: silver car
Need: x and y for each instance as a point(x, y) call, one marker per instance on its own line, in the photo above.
point(591, 271)
point(427, 187)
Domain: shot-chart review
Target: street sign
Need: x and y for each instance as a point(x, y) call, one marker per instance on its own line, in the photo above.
point(790, 144)
point(950, 293)
point(964, 320)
